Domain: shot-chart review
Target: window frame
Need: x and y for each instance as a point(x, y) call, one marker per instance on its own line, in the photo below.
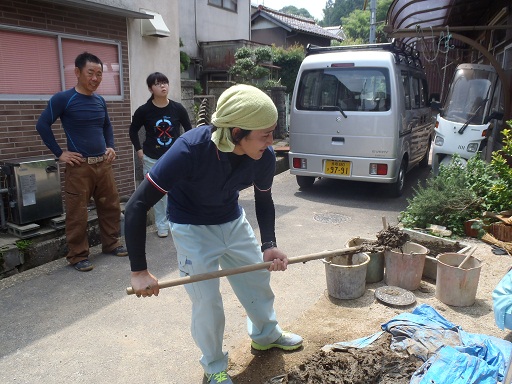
point(327, 89)
point(59, 37)
point(406, 84)
point(223, 6)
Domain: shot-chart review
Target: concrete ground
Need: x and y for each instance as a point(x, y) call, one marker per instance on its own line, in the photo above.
point(58, 325)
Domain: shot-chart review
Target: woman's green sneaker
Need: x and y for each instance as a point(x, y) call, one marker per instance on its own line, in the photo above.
point(219, 377)
point(288, 341)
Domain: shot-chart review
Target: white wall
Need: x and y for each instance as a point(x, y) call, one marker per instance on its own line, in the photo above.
point(200, 22)
point(154, 54)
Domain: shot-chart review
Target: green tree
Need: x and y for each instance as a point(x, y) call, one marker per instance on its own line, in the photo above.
point(289, 60)
point(357, 24)
point(292, 10)
point(247, 68)
point(382, 10)
point(184, 59)
point(335, 10)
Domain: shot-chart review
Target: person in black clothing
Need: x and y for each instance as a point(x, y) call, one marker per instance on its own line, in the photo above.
point(162, 119)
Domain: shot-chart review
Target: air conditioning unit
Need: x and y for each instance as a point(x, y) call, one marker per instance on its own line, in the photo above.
point(33, 189)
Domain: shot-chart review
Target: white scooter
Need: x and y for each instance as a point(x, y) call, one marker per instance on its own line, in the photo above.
point(464, 123)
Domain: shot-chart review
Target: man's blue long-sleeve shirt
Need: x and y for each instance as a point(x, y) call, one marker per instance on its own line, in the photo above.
point(84, 119)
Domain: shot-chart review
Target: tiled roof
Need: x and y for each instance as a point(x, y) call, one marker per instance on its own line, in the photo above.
point(337, 30)
point(294, 22)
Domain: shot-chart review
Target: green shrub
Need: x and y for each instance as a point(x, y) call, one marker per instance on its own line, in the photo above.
point(500, 193)
point(247, 68)
point(184, 59)
point(198, 90)
point(289, 60)
point(459, 194)
point(445, 200)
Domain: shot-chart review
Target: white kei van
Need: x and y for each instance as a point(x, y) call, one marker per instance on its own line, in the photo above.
point(360, 113)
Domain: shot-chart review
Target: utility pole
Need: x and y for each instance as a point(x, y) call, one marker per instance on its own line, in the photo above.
point(373, 22)
point(373, 16)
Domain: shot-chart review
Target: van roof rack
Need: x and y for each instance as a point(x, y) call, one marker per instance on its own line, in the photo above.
point(402, 52)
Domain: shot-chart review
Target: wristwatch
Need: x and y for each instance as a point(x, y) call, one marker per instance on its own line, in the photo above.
point(268, 245)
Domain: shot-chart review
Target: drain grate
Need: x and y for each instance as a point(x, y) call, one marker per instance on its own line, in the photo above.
point(331, 218)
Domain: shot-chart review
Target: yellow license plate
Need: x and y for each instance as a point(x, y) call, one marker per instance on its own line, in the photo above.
point(337, 167)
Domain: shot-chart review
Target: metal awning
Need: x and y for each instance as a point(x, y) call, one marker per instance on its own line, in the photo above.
point(460, 24)
point(419, 17)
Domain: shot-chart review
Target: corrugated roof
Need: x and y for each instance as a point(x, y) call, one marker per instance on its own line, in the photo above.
point(463, 16)
point(293, 22)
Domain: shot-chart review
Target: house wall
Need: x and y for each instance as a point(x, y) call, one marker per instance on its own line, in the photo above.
point(304, 40)
point(200, 22)
point(282, 38)
point(270, 36)
point(140, 56)
point(148, 54)
point(18, 136)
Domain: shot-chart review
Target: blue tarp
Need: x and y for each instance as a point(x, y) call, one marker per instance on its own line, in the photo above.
point(357, 343)
point(451, 355)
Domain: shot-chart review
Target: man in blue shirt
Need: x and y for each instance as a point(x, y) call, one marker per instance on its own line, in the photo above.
point(89, 155)
point(202, 174)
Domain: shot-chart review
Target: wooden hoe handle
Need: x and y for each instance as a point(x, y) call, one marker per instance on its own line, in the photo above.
point(250, 268)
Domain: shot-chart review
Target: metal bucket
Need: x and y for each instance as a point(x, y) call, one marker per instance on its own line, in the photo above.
point(346, 275)
point(457, 286)
point(375, 269)
point(405, 269)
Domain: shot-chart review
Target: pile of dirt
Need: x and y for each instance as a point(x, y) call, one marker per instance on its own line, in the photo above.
point(435, 248)
point(376, 363)
point(391, 238)
point(394, 238)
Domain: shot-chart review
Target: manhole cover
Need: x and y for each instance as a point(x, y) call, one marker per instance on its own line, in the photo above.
point(331, 218)
point(395, 296)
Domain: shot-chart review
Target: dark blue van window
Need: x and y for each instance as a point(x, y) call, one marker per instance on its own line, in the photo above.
point(351, 89)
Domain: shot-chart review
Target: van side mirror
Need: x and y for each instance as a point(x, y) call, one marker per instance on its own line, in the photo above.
point(495, 115)
point(435, 105)
point(434, 97)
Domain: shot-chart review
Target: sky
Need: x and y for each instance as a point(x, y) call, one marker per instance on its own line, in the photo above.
point(315, 7)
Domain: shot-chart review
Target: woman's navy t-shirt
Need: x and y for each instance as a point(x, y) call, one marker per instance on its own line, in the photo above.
point(201, 185)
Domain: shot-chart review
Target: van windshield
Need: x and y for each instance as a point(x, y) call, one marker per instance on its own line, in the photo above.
point(351, 89)
point(469, 96)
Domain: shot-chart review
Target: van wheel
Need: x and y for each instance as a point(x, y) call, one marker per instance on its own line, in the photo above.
point(305, 181)
point(397, 188)
point(424, 162)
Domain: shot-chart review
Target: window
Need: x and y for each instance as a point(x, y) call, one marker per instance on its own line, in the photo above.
point(407, 89)
point(33, 71)
point(351, 89)
point(232, 5)
point(468, 95)
point(416, 92)
point(107, 53)
point(48, 62)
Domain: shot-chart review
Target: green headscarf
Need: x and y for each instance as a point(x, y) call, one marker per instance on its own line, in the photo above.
point(242, 106)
